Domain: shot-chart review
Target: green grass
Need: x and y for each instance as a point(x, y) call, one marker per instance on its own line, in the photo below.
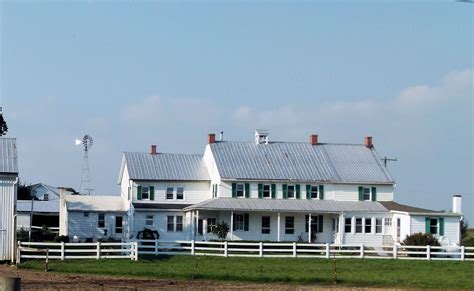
point(350, 272)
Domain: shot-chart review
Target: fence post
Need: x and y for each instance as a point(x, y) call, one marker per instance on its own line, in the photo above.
point(362, 251)
point(463, 252)
point(294, 249)
point(156, 247)
point(395, 251)
point(135, 244)
point(62, 251)
point(98, 250)
point(225, 249)
point(428, 252)
point(18, 253)
point(328, 251)
point(260, 253)
point(192, 247)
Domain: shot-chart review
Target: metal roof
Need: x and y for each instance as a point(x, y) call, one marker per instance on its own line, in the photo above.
point(343, 163)
point(8, 156)
point(289, 205)
point(166, 167)
point(38, 206)
point(160, 206)
point(394, 206)
point(96, 203)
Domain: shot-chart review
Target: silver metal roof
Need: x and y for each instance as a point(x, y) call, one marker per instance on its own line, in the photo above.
point(166, 167)
point(343, 163)
point(38, 206)
point(96, 203)
point(8, 156)
point(289, 205)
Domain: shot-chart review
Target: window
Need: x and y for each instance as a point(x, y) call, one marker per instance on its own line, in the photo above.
point(289, 224)
point(434, 226)
point(291, 191)
point(314, 223)
point(348, 225)
point(266, 191)
point(45, 197)
point(101, 220)
point(368, 225)
point(149, 220)
point(358, 225)
point(118, 224)
point(86, 214)
point(367, 194)
point(170, 223)
point(314, 191)
point(239, 221)
point(378, 225)
point(388, 222)
point(145, 193)
point(240, 190)
point(180, 193)
point(211, 222)
point(179, 223)
point(169, 193)
point(265, 224)
point(335, 224)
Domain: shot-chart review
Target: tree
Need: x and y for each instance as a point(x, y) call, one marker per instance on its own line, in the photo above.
point(464, 228)
point(24, 192)
point(3, 126)
point(220, 230)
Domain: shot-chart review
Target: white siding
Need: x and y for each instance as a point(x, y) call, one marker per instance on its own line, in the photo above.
point(405, 226)
point(125, 185)
point(8, 189)
point(87, 227)
point(194, 192)
point(23, 221)
point(39, 192)
point(351, 192)
point(160, 224)
point(371, 238)
point(451, 228)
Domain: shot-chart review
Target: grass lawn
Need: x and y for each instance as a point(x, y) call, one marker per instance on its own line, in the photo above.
point(350, 272)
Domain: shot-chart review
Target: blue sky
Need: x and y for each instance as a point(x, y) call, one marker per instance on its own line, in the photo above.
point(133, 74)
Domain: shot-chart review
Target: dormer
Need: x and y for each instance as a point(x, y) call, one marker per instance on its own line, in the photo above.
point(261, 136)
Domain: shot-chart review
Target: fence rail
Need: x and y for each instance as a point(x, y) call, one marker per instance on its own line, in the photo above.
point(131, 250)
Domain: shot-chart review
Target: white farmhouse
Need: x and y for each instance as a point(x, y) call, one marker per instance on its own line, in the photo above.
point(8, 192)
point(276, 191)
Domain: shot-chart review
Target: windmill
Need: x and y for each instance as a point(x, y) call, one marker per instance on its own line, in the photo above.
point(86, 142)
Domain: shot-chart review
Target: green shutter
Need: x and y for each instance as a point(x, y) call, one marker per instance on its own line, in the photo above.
point(274, 191)
point(361, 193)
point(139, 192)
point(306, 223)
point(247, 190)
point(374, 194)
point(308, 191)
point(285, 191)
point(441, 225)
point(320, 223)
point(260, 190)
point(233, 220)
point(246, 222)
point(298, 191)
point(234, 190)
point(427, 225)
point(152, 193)
point(321, 192)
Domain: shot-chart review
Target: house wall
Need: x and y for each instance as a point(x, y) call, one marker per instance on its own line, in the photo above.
point(39, 192)
point(371, 238)
point(125, 184)
point(160, 220)
point(8, 193)
point(87, 227)
point(451, 228)
point(194, 192)
point(23, 220)
point(405, 226)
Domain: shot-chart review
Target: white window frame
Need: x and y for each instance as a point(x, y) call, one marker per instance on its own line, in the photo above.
point(369, 193)
point(179, 187)
point(239, 221)
point(99, 220)
point(437, 226)
point(149, 220)
point(172, 223)
point(289, 230)
point(312, 191)
point(367, 219)
point(266, 229)
point(288, 191)
point(45, 197)
point(147, 192)
point(237, 190)
point(361, 225)
point(388, 221)
point(178, 226)
point(348, 224)
point(172, 193)
point(378, 226)
point(269, 191)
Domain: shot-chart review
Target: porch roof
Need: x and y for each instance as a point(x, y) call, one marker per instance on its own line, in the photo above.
point(288, 205)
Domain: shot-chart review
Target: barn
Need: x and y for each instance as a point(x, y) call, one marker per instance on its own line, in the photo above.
point(8, 192)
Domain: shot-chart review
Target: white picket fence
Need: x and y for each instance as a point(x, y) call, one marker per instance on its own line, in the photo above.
point(131, 250)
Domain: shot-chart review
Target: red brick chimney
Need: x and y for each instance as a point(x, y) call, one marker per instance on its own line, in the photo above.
point(368, 142)
point(153, 149)
point(313, 139)
point(211, 138)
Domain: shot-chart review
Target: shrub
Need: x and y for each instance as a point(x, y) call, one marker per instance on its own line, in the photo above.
point(61, 238)
point(421, 239)
point(468, 242)
point(147, 233)
point(220, 230)
point(22, 234)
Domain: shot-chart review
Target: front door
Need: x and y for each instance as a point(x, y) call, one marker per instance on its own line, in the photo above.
point(118, 226)
point(200, 226)
point(398, 229)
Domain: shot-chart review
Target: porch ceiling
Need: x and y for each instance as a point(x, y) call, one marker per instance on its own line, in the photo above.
point(288, 205)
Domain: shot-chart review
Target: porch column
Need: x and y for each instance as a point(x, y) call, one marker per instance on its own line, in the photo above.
point(204, 228)
point(232, 225)
point(342, 226)
point(197, 222)
point(193, 229)
point(278, 227)
point(309, 228)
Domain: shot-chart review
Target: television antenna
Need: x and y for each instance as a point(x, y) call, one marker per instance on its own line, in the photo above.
point(86, 142)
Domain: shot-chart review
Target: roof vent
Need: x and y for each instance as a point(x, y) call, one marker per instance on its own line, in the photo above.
point(261, 136)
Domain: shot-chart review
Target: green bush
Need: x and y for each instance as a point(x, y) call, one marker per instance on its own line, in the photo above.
point(421, 239)
point(61, 238)
point(220, 230)
point(468, 242)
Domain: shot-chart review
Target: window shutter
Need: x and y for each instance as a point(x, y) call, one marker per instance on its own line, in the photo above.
point(306, 223)
point(320, 223)
point(233, 220)
point(139, 192)
point(374, 194)
point(298, 190)
point(152, 193)
point(247, 190)
point(321, 192)
point(246, 222)
point(234, 190)
point(441, 225)
point(285, 191)
point(427, 225)
point(260, 190)
point(308, 191)
point(274, 191)
point(361, 193)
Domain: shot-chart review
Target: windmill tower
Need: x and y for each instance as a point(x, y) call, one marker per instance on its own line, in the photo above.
point(86, 142)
